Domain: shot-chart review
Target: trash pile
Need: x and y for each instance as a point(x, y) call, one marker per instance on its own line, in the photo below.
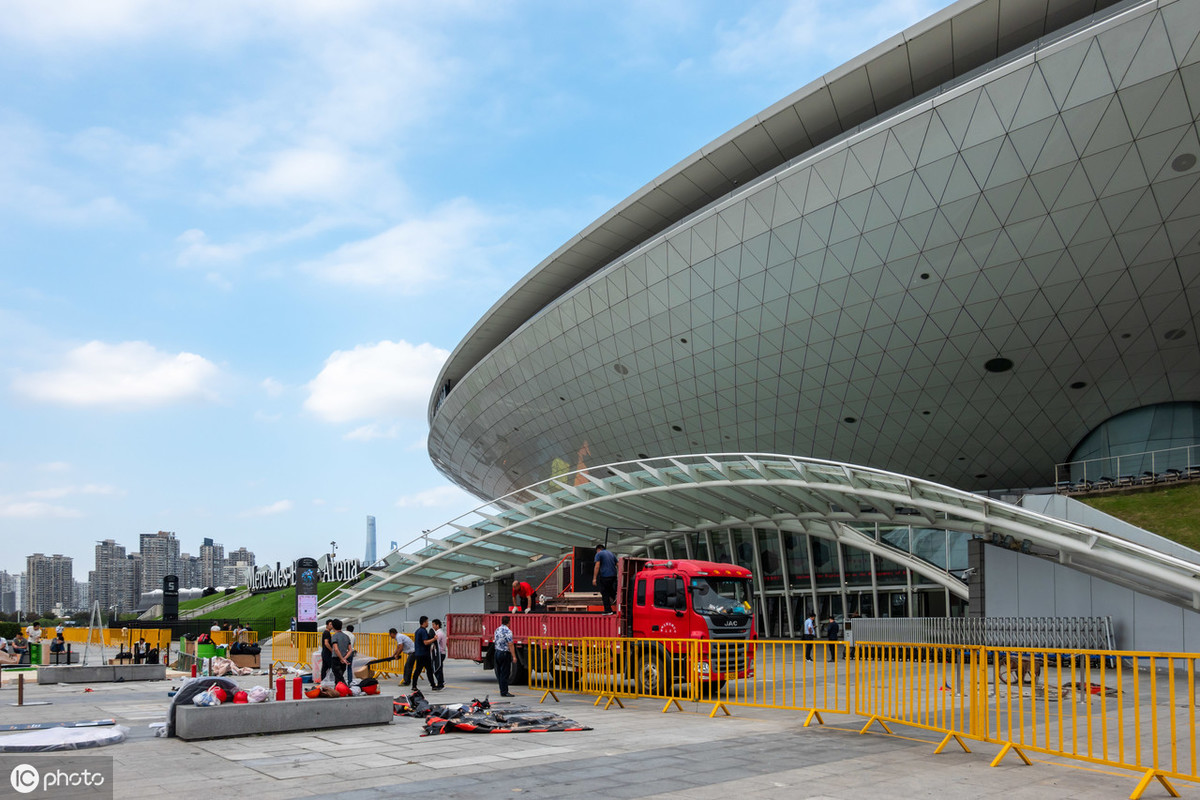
point(478, 716)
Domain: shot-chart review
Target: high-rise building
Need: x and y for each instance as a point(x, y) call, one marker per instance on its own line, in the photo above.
point(48, 583)
point(240, 557)
point(160, 556)
point(212, 559)
point(369, 556)
point(8, 592)
point(110, 580)
point(189, 573)
point(135, 589)
point(80, 596)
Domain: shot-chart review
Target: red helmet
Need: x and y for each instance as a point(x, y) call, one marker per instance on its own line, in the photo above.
point(220, 694)
point(241, 697)
point(313, 692)
point(371, 688)
point(343, 689)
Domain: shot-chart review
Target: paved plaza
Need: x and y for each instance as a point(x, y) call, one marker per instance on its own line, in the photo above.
point(634, 752)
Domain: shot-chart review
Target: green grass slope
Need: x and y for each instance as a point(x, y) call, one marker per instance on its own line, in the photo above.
point(1172, 512)
point(278, 606)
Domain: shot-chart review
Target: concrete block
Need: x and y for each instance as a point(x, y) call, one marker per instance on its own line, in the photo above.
point(284, 716)
point(102, 673)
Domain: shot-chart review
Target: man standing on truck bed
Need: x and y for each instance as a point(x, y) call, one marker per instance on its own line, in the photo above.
point(604, 575)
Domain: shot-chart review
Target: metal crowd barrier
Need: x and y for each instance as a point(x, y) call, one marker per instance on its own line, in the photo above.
point(1083, 633)
point(1125, 709)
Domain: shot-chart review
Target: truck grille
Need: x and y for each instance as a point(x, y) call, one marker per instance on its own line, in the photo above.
point(727, 657)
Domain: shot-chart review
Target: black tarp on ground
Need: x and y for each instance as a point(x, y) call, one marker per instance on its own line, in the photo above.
point(478, 716)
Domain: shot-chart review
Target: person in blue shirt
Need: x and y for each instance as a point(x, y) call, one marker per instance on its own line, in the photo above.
point(422, 639)
point(502, 649)
point(604, 575)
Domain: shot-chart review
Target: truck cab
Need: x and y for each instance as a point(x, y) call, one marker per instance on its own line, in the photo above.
point(688, 600)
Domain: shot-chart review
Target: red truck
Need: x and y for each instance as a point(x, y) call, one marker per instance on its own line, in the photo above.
point(664, 604)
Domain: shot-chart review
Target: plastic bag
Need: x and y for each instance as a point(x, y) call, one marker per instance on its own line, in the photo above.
point(258, 694)
point(206, 698)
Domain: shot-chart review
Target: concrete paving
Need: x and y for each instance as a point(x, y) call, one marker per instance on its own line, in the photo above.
point(634, 752)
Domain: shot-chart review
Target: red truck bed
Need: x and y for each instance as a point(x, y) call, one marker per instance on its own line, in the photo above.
point(468, 635)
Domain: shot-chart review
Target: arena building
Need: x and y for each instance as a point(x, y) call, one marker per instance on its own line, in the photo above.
point(960, 269)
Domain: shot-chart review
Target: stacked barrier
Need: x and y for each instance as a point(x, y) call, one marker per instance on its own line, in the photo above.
point(1126, 709)
point(294, 648)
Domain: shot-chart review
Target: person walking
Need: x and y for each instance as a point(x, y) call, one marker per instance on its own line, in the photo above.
point(831, 633)
point(502, 642)
point(421, 639)
point(437, 655)
point(810, 633)
point(604, 576)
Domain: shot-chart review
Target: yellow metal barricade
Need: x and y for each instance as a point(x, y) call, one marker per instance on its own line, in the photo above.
point(811, 676)
point(294, 648)
point(1126, 709)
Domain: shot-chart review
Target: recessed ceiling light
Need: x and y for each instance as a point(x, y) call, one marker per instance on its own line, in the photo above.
point(621, 369)
point(642, 455)
point(850, 419)
point(1078, 384)
point(924, 276)
point(998, 365)
point(683, 339)
point(1183, 162)
point(1175, 334)
point(1126, 335)
point(981, 475)
point(925, 413)
point(560, 397)
point(676, 428)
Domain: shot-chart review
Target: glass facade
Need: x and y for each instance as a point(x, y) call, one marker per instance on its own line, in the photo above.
point(846, 582)
point(1151, 439)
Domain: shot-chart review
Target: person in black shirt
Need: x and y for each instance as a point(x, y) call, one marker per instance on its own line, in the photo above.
point(326, 649)
point(422, 640)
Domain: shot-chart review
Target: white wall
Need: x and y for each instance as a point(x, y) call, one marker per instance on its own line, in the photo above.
point(405, 619)
point(1019, 585)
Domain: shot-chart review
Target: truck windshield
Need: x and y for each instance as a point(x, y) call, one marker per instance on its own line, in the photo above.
point(720, 595)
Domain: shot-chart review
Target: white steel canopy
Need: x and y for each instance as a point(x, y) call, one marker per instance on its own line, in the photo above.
point(635, 503)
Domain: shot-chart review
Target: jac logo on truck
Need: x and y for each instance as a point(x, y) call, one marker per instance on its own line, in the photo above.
point(731, 623)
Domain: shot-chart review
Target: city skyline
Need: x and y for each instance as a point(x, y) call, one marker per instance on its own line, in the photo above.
point(242, 242)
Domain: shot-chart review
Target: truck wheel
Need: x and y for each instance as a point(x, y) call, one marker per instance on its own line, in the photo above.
point(711, 688)
point(656, 673)
point(518, 672)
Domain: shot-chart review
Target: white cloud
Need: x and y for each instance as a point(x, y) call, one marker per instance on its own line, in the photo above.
point(54, 466)
point(389, 380)
point(278, 507)
point(448, 496)
point(300, 174)
point(768, 40)
point(367, 433)
point(59, 492)
point(455, 239)
point(272, 387)
point(126, 375)
point(35, 510)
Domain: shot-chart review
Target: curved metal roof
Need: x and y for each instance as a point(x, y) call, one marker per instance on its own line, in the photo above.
point(948, 45)
point(961, 290)
point(703, 492)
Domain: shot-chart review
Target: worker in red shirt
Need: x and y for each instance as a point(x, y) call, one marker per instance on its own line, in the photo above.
point(522, 596)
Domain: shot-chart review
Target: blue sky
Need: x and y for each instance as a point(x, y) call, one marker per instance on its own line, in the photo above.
point(240, 239)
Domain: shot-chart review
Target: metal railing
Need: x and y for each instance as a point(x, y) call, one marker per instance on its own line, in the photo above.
point(1073, 633)
point(1126, 709)
point(1129, 469)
